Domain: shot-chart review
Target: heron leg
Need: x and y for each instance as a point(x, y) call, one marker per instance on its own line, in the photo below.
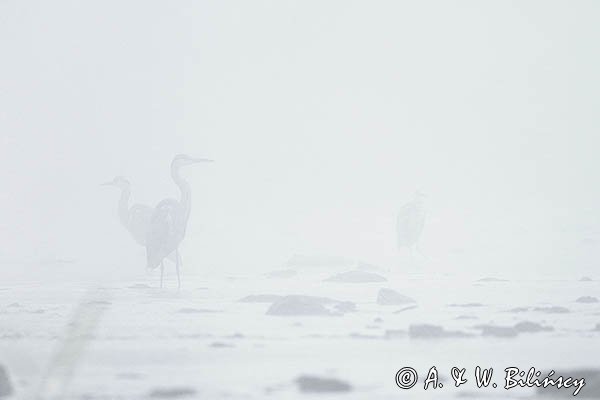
point(162, 270)
point(177, 261)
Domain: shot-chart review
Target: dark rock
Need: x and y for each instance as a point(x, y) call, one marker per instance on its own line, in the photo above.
point(428, 331)
point(389, 297)
point(378, 320)
point(356, 276)
point(587, 299)
point(497, 331)
point(518, 310)
point(395, 333)
point(405, 309)
point(355, 335)
point(585, 279)
point(463, 317)
point(172, 393)
point(130, 376)
point(189, 310)
point(490, 279)
point(528, 326)
point(363, 266)
point(6, 388)
point(260, 298)
point(552, 310)
point(221, 345)
point(345, 306)
point(316, 384)
point(466, 305)
point(597, 328)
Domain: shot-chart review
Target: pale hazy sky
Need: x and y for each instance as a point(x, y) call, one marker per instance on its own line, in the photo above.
point(324, 117)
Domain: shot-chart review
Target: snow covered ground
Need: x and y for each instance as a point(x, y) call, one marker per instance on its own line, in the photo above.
point(135, 341)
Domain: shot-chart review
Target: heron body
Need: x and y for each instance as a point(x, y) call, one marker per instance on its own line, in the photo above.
point(410, 223)
point(169, 220)
point(136, 219)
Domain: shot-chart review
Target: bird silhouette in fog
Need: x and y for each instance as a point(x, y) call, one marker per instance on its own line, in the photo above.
point(410, 223)
point(169, 220)
point(136, 219)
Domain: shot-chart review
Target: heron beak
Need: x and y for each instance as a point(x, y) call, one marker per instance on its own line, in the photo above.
point(199, 160)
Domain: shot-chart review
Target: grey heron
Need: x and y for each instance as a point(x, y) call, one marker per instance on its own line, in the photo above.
point(169, 220)
point(410, 223)
point(136, 219)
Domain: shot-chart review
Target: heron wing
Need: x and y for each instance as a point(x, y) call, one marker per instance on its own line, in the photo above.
point(164, 232)
point(139, 222)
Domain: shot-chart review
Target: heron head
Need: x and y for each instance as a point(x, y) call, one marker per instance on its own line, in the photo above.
point(181, 160)
point(420, 196)
point(119, 182)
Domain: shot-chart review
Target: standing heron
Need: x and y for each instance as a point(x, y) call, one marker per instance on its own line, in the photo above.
point(136, 219)
point(169, 220)
point(410, 223)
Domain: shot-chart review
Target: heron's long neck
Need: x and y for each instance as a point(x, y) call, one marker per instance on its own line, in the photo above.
point(124, 206)
point(184, 188)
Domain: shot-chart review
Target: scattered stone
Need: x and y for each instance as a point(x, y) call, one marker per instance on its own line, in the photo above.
point(14, 305)
point(587, 299)
point(345, 306)
point(316, 384)
point(528, 326)
point(466, 305)
point(389, 297)
point(282, 273)
point(355, 335)
point(356, 276)
point(428, 331)
point(363, 266)
point(395, 333)
point(5, 385)
point(405, 309)
point(585, 279)
point(260, 298)
point(172, 393)
point(378, 320)
point(597, 328)
point(221, 345)
point(497, 331)
point(552, 310)
point(298, 305)
point(518, 310)
point(490, 279)
point(189, 310)
point(129, 376)
point(464, 317)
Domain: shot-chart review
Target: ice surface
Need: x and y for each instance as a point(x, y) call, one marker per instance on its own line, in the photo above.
point(159, 341)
